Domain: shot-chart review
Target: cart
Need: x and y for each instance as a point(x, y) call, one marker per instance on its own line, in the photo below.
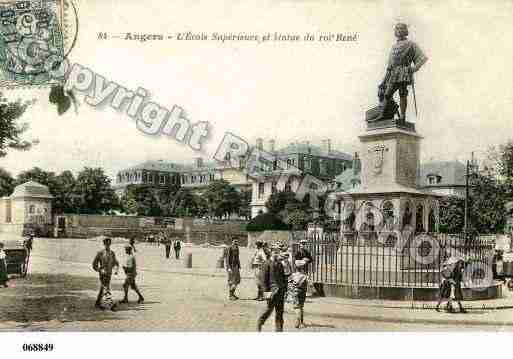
point(17, 258)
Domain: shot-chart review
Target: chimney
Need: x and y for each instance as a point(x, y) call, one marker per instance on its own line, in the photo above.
point(326, 146)
point(260, 144)
point(356, 163)
point(272, 143)
point(199, 162)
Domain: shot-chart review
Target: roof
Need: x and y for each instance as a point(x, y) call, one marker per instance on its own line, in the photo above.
point(346, 179)
point(308, 149)
point(31, 189)
point(164, 166)
point(451, 173)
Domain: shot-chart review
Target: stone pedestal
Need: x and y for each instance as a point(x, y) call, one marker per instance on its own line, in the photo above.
point(388, 199)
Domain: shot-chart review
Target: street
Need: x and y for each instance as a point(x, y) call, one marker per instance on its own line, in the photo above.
point(60, 290)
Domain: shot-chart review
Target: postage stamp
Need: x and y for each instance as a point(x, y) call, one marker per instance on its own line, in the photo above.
point(31, 33)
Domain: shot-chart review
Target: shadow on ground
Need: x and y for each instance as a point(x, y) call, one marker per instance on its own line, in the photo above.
point(47, 297)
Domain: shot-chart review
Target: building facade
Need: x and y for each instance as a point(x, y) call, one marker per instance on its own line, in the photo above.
point(287, 167)
point(28, 208)
point(161, 175)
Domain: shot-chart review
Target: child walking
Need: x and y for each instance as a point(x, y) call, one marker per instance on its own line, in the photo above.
point(298, 283)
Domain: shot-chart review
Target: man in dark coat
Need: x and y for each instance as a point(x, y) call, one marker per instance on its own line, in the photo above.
point(232, 265)
point(167, 245)
point(105, 263)
point(275, 286)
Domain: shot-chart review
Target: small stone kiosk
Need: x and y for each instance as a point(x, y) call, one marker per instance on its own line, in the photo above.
point(27, 209)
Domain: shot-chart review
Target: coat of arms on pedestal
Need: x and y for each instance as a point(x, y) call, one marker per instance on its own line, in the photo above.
point(378, 154)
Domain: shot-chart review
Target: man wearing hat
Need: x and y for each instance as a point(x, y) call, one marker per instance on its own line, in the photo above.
point(303, 254)
point(130, 268)
point(274, 290)
point(104, 263)
point(232, 265)
point(257, 264)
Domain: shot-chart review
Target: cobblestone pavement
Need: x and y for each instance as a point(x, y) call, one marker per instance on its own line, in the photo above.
point(59, 294)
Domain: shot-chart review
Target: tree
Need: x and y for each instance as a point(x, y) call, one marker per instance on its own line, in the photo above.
point(141, 201)
point(63, 187)
point(39, 175)
point(298, 219)
point(11, 130)
point(288, 208)
point(6, 183)
point(245, 202)
point(93, 193)
point(185, 203)
point(452, 214)
point(221, 198)
point(487, 201)
point(277, 201)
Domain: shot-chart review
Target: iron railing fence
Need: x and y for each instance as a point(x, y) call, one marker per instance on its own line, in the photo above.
point(367, 260)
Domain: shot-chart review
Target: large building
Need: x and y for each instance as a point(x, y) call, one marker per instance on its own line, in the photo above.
point(161, 174)
point(290, 165)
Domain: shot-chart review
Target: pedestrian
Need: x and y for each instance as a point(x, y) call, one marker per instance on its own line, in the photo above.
point(132, 244)
point(177, 246)
point(3, 267)
point(167, 246)
point(452, 276)
point(274, 290)
point(29, 242)
point(287, 270)
point(232, 265)
point(257, 264)
point(303, 254)
point(105, 263)
point(130, 268)
point(267, 250)
point(298, 283)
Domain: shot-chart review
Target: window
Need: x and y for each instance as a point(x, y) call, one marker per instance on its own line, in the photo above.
point(32, 209)
point(434, 179)
point(289, 163)
point(419, 218)
point(273, 187)
point(144, 177)
point(261, 190)
point(193, 179)
point(162, 179)
point(119, 178)
point(211, 176)
point(288, 187)
point(308, 164)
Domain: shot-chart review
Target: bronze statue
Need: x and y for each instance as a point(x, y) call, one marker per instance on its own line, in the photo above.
point(400, 71)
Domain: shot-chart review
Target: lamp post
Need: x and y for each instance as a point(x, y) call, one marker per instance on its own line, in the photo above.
point(470, 171)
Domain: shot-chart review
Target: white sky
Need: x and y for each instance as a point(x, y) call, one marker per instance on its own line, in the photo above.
point(297, 91)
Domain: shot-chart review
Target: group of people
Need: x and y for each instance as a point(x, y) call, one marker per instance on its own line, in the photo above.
point(106, 264)
point(276, 279)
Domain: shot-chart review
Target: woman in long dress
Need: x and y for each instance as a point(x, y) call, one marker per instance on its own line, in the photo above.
point(3, 267)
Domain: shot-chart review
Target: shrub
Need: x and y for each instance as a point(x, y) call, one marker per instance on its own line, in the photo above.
point(266, 222)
